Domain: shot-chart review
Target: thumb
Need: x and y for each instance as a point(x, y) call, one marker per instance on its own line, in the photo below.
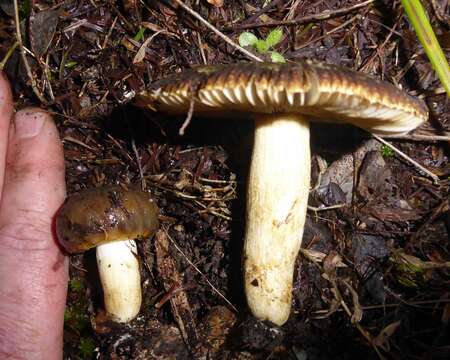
point(33, 272)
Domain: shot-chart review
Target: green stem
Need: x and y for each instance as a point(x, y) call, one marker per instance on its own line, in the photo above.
point(419, 20)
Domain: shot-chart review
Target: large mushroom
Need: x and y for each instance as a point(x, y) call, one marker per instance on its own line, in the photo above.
point(282, 99)
point(110, 218)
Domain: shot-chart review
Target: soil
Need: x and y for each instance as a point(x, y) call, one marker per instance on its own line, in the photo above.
point(372, 278)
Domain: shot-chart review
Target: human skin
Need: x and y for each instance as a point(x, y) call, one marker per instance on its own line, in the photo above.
point(33, 270)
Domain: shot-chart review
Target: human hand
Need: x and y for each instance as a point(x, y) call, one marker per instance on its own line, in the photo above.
point(33, 271)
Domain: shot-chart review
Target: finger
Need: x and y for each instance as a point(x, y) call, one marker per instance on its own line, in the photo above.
point(6, 110)
point(33, 272)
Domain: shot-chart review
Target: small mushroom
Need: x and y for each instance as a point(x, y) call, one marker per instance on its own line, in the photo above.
point(110, 218)
point(282, 99)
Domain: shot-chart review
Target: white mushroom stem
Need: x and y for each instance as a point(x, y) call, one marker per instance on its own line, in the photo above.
point(277, 199)
point(118, 267)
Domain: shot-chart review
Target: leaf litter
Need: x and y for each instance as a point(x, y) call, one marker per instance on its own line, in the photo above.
point(372, 276)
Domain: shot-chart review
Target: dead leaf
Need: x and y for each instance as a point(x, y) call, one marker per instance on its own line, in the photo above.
point(357, 310)
point(42, 29)
point(216, 3)
point(140, 55)
point(382, 340)
point(418, 263)
point(317, 256)
point(7, 6)
point(331, 261)
point(172, 279)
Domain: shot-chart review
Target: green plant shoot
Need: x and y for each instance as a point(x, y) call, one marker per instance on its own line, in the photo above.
point(386, 151)
point(419, 20)
point(264, 46)
point(140, 34)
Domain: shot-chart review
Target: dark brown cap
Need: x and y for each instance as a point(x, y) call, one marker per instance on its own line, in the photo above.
point(321, 91)
point(101, 215)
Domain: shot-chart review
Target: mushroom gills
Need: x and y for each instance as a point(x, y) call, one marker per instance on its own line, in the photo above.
point(278, 186)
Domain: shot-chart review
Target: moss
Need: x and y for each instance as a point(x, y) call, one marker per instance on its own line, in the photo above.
point(77, 322)
point(86, 348)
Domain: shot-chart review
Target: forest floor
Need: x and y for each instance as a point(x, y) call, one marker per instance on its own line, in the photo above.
point(372, 278)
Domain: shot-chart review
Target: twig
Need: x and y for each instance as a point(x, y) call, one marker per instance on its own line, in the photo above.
point(379, 49)
point(443, 18)
point(260, 12)
point(48, 77)
point(327, 14)
point(406, 157)
point(79, 142)
point(8, 55)
point(216, 31)
point(127, 24)
point(200, 47)
point(108, 35)
point(418, 137)
point(411, 303)
point(198, 270)
point(325, 208)
point(24, 56)
point(337, 28)
point(138, 161)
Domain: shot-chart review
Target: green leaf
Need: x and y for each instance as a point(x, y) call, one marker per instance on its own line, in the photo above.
point(274, 37)
point(276, 57)
point(70, 64)
point(139, 35)
point(261, 46)
point(386, 151)
point(247, 39)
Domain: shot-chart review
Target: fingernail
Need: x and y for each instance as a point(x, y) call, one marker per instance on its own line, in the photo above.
point(28, 123)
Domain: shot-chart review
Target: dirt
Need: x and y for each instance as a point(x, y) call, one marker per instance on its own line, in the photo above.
point(373, 274)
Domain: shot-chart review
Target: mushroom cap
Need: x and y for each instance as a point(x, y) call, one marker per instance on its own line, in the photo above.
point(322, 91)
point(101, 215)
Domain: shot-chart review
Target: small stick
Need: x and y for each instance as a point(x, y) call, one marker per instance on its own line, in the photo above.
point(337, 28)
point(47, 78)
point(24, 56)
point(306, 19)
point(216, 31)
point(418, 137)
point(440, 14)
point(198, 270)
point(406, 157)
point(325, 208)
point(105, 41)
point(8, 55)
point(200, 47)
point(138, 161)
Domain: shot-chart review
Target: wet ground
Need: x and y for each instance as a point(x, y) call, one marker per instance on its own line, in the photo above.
point(373, 274)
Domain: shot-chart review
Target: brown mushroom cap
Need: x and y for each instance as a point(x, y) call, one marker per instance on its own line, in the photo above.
point(101, 215)
point(323, 92)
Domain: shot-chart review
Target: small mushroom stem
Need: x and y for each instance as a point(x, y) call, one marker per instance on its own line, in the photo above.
point(277, 199)
point(118, 267)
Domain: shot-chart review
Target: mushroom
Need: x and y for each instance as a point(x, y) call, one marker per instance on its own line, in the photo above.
point(282, 99)
point(110, 218)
